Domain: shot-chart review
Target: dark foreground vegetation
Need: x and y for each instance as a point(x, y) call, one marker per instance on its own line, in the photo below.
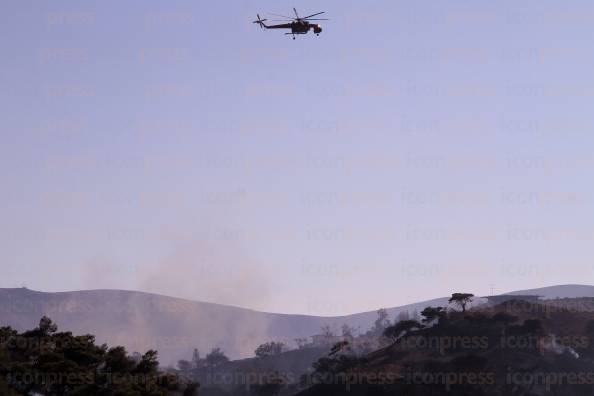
point(46, 362)
point(514, 349)
point(517, 348)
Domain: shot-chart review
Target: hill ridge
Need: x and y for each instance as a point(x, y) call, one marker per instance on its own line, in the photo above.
point(175, 326)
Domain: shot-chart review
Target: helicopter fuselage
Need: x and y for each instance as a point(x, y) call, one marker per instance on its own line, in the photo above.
point(302, 27)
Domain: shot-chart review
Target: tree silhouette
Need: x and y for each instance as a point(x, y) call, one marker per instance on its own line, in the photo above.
point(461, 299)
point(270, 349)
point(401, 329)
point(149, 363)
point(46, 326)
point(46, 362)
point(430, 314)
point(216, 357)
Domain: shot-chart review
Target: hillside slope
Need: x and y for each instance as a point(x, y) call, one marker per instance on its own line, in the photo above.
point(516, 348)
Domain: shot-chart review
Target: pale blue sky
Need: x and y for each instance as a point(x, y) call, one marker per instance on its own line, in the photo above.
point(412, 150)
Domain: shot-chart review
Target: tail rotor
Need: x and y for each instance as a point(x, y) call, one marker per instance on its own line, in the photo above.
point(261, 21)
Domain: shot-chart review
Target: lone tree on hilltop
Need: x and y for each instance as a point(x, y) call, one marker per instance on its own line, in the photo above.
point(461, 299)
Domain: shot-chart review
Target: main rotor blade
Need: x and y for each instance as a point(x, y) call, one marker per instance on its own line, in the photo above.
point(314, 19)
point(312, 15)
point(282, 16)
point(297, 15)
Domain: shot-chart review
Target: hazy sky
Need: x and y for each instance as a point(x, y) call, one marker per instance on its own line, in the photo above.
point(413, 149)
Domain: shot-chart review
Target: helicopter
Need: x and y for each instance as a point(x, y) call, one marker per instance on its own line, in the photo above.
point(298, 25)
